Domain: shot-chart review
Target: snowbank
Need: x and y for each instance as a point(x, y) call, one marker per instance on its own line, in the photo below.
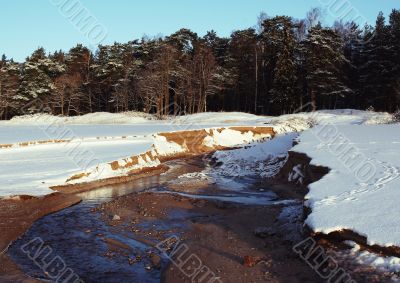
point(260, 158)
point(360, 193)
point(42, 150)
point(31, 170)
point(171, 145)
point(92, 118)
point(303, 121)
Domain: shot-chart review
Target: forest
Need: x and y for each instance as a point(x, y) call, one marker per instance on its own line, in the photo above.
point(276, 67)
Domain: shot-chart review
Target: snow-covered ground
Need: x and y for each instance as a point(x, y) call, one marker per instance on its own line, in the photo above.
point(366, 258)
point(33, 169)
point(264, 159)
point(76, 144)
point(361, 191)
point(362, 149)
point(79, 143)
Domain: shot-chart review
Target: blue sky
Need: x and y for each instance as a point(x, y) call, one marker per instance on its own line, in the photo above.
point(28, 24)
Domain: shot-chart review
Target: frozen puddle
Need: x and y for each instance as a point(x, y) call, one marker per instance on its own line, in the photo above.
point(267, 198)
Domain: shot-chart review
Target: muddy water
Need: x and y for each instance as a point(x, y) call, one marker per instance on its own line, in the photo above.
point(79, 236)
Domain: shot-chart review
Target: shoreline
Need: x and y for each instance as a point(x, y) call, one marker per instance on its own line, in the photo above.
point(18, 214)
point(42, 206)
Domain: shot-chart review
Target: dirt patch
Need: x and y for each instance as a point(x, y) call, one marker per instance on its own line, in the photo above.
point(5, 145)
point(220, 234)
point(309, 173)
point(338, 237)
point(24, 144)
point(16, 216)
point(255, 130)
point(191, 141)
point(134, 175)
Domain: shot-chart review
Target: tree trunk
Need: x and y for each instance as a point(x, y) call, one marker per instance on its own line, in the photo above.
point(313, 100)
point(256, 87)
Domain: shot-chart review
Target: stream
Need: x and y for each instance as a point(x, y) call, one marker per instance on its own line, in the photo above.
point(76, 234)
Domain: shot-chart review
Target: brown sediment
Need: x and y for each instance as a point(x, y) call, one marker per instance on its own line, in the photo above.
point(24, 144)
point(132, 161)
point(5, 145)
point(10, 272)
point(193, 137)
point(192, 141)
point(16, 217)
point(255, 130)
point(311, 173)
point(133, 175)
point(115, 243)
point(337, 238)
point(220, 235)
point(78, 176)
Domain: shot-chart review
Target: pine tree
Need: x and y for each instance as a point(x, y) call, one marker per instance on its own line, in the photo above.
point(243, 64)
point(282, 93)
point(9, 82)
point(353, 40)
point(37, 85)
point(376, 70)
point(325, 62)
point(393, 99)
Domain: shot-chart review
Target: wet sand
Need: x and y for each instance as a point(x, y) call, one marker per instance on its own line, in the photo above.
point(221, 234)
point(16, 217)
point(237, 242)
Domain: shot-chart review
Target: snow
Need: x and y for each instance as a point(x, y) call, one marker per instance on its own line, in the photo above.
point(366, 258)
point(221, 118)
point(360, 193)
point(339, 201)
point(91, 142)
point(361, 148)
point(106, 137)
point(258, 158)
point(302, 121)
point(92, 118)
point(32, 170)
point(195, 175)
point(164, 147)
point(230, 138)
point(40, 127)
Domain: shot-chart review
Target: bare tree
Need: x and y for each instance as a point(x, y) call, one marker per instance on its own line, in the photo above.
point(67, 96)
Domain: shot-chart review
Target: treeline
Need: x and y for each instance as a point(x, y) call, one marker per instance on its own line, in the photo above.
point(279, 66)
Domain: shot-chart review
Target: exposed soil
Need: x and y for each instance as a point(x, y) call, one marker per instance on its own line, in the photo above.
point(220, 234)
point(16, 216)
point(191, 141)
point(85, 187)
point(237, 242)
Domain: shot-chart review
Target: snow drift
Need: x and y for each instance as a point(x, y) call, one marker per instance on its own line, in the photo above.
point(173, 145)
